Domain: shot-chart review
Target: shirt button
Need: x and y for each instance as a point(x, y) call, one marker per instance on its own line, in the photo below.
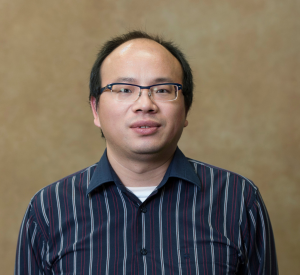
point(144, 251)
point(144, 209)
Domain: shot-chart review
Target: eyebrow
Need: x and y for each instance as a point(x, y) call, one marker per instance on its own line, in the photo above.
point(163, 79)
point(133, 80)
point(125, 79)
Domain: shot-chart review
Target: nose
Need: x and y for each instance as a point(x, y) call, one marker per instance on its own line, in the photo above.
point(144, 102)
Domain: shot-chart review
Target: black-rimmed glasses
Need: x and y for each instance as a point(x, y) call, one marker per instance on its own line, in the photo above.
point(131, 92)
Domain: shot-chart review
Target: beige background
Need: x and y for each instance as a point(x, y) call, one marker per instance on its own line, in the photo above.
point(245, 117)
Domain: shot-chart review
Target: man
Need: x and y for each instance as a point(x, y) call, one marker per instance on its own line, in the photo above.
point(145, 208)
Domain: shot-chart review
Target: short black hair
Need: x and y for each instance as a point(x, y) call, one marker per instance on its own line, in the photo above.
point(111, 45)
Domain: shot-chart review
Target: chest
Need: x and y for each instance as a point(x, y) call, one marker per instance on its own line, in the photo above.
point(178, 231)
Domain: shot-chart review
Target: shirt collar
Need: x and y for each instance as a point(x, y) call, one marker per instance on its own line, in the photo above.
point(179, 167)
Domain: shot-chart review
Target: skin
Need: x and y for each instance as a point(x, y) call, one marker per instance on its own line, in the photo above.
point(140, 157)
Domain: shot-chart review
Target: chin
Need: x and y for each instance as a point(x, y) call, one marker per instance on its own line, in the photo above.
point(146, 151)
point(150, 149)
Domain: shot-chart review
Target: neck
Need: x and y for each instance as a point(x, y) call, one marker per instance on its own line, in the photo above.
point(140, 171)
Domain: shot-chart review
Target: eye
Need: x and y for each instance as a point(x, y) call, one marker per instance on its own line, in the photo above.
point(124, 91)
point(162, 91)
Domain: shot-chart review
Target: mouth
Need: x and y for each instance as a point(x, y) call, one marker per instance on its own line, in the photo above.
point(146, 127)
point(145, 124)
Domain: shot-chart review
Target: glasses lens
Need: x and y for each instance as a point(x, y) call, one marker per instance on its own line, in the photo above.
point(164, 92)
point(123, 92)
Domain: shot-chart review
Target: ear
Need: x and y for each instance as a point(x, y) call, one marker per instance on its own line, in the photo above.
point(185, 123)
point(93, 103)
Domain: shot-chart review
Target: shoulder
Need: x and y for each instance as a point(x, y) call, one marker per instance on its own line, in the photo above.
point(82, 177)
point(225, 181)
point(54, 194)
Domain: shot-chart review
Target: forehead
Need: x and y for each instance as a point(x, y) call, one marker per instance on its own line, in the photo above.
point(140, 46)
point(142, 56)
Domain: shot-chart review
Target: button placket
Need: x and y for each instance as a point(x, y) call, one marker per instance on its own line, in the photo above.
point(144, 209)
point(144, 251)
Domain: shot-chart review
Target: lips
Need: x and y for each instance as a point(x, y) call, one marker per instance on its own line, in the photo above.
point(145, 127)
point(145, 123)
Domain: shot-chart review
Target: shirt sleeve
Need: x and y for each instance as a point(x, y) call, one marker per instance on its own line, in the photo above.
point(259, 247)
point(30, 247)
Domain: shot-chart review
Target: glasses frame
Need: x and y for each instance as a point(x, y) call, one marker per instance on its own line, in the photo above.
point(109, 87)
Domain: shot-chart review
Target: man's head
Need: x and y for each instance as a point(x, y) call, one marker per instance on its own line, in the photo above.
point(148, 125)
point(111, 45)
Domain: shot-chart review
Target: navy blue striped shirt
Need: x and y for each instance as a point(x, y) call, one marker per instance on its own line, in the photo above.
point(199, 220)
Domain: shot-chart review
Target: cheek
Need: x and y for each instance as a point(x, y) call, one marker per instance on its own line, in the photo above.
point(106, 118)
point(177, 120)
point(111, 115)
point(104, 113)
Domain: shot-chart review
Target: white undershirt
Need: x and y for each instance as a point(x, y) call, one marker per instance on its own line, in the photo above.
point(142, 192)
